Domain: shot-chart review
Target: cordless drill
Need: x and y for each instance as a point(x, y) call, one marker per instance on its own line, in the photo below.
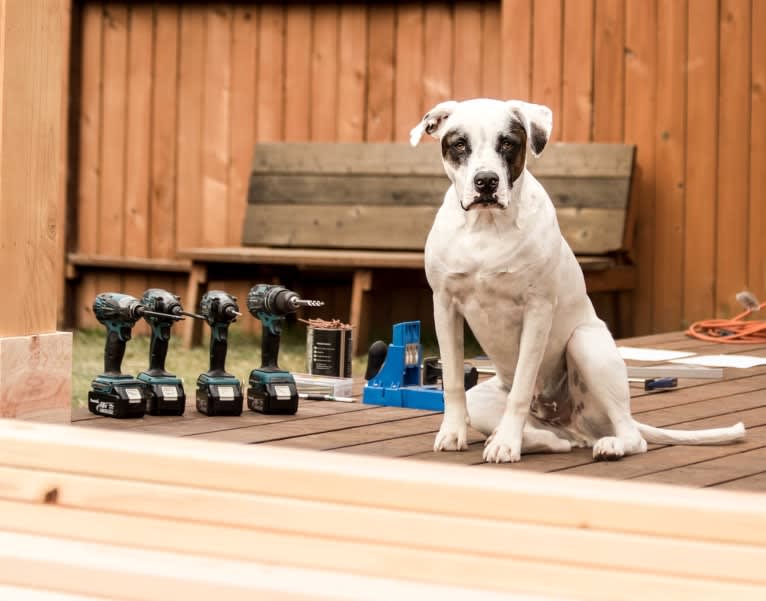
point(166, 391)
point(272, 389)
point(219, 392)
point(113, 393)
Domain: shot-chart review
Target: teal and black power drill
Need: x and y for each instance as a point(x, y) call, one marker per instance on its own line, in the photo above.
point(272, 389)
point(113, 393)
point(219, 392)
point(166, 390)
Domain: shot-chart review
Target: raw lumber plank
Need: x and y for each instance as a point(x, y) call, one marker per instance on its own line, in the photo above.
point(734, 164)
point(669, 166)
point(577, 72)
point(408, 83)
point(271, 65)
point(609, 71)
point(701, 165)
point(298, 40)
point(380, 69)
point(323, 103)
point(352, 55)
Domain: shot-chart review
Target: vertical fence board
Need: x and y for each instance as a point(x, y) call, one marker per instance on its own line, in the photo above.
point(215, 133)
point(437, 80)
point(757, 250)
point(408, 99)
point(467, 50)
point(701, 160)
point(324, 73)
point(380, 94)
point(491, 77)
point(546, 58)
point(352, 72)
point(298, 107)
point(89, 152)
point(190, 106)
point(639, 115)
point(669, 164)
point(734, 160)
point(516, 63)
point(608, 88)
point(271, 63)
point(111, 239)
point(577, 79)
point(242, 116)
point(162, 241)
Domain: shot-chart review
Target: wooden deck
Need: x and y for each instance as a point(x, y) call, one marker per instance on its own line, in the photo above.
point(392, 432)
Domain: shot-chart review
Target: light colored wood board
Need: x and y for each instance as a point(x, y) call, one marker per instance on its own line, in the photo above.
point(734, 164)
point(244, 48)
point(410, 486)
point(756, 276)
point(701, 165)
point(640, 115)
point(439, 50)
point(609, 71)
point(36, 376)
point(469, 43)
point(271, 64)
point(162, 231)
point(492, 52)
point(295, 428)
point(670, 159)
point(408, 82)
point(108, 572)
point(575, 122)
point(323, 106)
point(191, 64)
point(117, 262)
point(298, 77)
point(516, 58)
point(216, 132)
point(380, 73)
point(424, 566)
point(547, 44)
point(592, 231)
point(352, 72)
point(558, 160)
point(755, 483)
point(138, 130)
point(339, 226)
point(376, 527)
point(306, 257)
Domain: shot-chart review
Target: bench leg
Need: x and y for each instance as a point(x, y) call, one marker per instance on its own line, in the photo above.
point(197, 286)
point(360, 309)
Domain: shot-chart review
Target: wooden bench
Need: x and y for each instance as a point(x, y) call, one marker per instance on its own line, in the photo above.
point(111, 514)
point(365, 207)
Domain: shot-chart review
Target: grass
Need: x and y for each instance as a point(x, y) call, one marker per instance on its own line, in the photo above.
point(244, 354)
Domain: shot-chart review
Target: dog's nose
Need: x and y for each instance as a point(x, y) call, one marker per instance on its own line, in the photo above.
point(486, 181)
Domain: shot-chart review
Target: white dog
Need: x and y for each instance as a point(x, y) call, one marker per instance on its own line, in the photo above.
point(496, 258)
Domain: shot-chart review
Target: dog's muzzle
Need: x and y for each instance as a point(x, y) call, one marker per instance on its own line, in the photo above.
point(485, 184)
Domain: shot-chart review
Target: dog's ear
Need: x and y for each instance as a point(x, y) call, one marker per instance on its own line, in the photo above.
point(432, 121)
point(537, 120)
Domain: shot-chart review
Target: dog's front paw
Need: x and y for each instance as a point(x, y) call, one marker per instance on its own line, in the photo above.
point(499, 448)
point(452, 436)
point(608, 448)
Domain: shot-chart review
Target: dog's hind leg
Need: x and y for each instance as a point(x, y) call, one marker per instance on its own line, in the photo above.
point(486, 405)
point(599, 385)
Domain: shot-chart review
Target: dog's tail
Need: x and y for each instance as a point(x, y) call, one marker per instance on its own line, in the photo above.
point(712, 436)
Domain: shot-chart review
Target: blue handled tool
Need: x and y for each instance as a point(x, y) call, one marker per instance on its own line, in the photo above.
point(656, 384)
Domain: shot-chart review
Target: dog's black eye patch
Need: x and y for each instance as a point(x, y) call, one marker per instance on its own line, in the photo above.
point(511, 145)
point(456, 147)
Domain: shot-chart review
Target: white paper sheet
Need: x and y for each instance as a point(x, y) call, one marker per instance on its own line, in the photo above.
point(650, 354)
point(741, 361)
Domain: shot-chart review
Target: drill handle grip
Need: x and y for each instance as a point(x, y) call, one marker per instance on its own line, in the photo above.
point(114, 351)
point(158, 348)
point(219, 344)
point(269, 348)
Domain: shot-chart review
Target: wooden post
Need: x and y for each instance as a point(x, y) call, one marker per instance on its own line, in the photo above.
point(35, 360)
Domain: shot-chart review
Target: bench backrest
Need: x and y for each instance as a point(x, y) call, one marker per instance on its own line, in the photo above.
point(385, 195)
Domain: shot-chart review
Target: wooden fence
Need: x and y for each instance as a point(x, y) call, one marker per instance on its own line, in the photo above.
point(169, 99)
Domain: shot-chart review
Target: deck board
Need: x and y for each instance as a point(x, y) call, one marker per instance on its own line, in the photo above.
point(393, 432)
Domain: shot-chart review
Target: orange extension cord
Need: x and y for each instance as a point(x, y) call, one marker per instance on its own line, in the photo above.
point(734, 330)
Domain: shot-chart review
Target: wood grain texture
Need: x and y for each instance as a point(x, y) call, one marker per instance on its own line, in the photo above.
point(380, 61)
point(352, 72)
point(733, 164)
point(609, 71)
point(492, 52)
point(516, 59)
point(410, 68)
point(575, 122)
point(547, 37)
point(324, 73)
point(439, 54)
point(271, 62)
point(298, 78)
point(701, 167)
point(670, 166)
point(469, 43)
point(756, 277)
